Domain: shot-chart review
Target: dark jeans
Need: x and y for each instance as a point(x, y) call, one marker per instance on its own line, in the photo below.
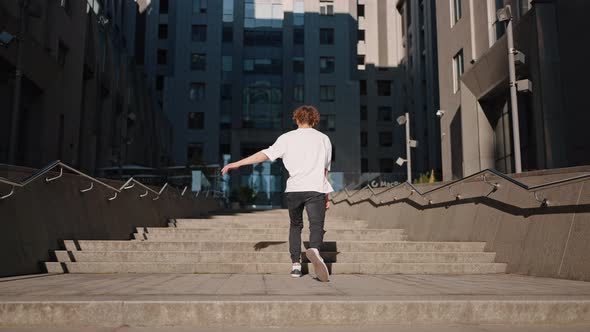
point(315, 205)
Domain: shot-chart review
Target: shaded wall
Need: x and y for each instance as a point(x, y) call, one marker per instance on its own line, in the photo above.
point(84, 98)
point(39, 216)
point(533, 240)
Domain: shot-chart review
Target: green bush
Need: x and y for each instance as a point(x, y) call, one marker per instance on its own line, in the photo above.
point(246, 196)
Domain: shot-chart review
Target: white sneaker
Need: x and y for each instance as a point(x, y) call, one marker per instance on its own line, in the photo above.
point(296, 271)
point(320, 268)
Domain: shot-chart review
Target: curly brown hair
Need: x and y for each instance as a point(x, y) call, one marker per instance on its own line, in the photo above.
point(306, 114)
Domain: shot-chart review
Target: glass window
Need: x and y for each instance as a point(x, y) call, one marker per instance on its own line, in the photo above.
point(363, 112)
point(163, 31)
point(455, 11)
point(385, 165)
point(384, 88)
point(327, 36)
point(159, 82)
point(196, 120)
point(298, 93)
point(198, 61)
point(262, 106)
point(363, 87)
point(263, 13)
point(197, 91)
point(326, 8)
point(263, 38)
point(458, 69)
point(263, 66)
point(360, 62)
point(228, 10)
point(327, 64)
point(360, 10)
point(364, 165)
point(228, 34)
point(199, 33)
point(298, 65)
point(162, 56)
point(163, 6)
point(226, 93)
point(328, 123)
point(327, 93)
point(298, 12)
point(385, 139)
point(298, 36)
point(226, 63)
point(361, 35)
point(194, 152)
point(384, 114)
point(199, 6)
point(364, 139)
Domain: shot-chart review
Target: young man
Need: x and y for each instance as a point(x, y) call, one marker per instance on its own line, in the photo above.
point(307, 155)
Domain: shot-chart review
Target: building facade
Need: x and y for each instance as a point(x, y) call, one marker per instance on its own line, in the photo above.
point(231, 72)
point(420, 66)
point(83, 100)
point(380, 79)
point(474, 85)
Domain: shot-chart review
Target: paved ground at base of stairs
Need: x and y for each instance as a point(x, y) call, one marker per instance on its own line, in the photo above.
point(388, 328)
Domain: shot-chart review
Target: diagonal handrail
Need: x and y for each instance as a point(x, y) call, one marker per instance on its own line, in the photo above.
point(130, 183)
point(482, 176)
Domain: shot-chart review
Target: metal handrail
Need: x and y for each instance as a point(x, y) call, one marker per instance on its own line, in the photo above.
point(482, 176)
point(127, 185)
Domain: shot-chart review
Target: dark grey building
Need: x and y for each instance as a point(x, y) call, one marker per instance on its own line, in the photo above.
point(231, 72)
point(420, 66)
point(474, 87)
point(84, 101)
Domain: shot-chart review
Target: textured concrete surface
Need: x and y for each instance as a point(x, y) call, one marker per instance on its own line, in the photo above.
point(265, 300)
point(242, 244)
point(546, 241)
point(274, 268)
point(38, 217)
point(382, 328)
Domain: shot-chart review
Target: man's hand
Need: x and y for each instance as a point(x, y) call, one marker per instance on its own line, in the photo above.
point(229, 167)
point(256, 158)
point(327, 202)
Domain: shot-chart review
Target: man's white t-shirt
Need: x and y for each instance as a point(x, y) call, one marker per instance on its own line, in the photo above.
point(307, 154)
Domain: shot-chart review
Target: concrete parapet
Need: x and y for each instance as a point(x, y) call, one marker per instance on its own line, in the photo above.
point(38, 217)
point(548, 241)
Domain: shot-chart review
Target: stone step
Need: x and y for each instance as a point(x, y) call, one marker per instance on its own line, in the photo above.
point(271, 257)
point(218, 302)
point(274, 268)
point(560, 314)
point(233, 235)
point(250, 218)
point(265, 231)
point(209, 223)
point(273, 246)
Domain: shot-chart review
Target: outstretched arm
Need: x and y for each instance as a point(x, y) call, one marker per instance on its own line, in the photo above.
point(256, 158)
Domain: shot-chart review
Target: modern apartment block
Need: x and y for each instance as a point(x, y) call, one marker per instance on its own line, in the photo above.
point(83, 99)
point(231, 72)
point(474, 85)
point(380, 80)
point(420, 65)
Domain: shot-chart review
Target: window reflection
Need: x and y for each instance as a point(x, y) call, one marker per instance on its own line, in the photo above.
point(263, 13)
point(262, 105)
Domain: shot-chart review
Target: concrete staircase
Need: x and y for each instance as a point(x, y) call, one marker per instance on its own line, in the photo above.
point(256, 243)
point(232, 271)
